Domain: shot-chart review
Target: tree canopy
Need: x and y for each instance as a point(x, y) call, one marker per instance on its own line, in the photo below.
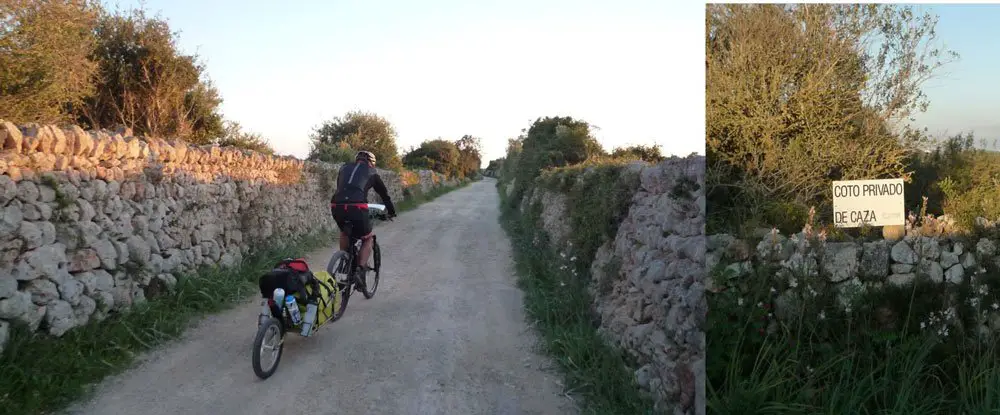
point(799, 95)
point(356, 130)
point(73, 61)
point(45, 58)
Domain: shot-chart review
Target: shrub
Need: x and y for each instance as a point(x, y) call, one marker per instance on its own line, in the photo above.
point(798, 95)
point(639, 152)
point(438, 155)
point(356, 130)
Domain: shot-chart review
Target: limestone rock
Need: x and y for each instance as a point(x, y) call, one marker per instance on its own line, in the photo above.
point(874, 259)
point(903, 253)
point(840, 261)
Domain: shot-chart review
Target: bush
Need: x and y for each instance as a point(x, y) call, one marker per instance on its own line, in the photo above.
point(356, 130)
point(333, 153)
point(788, 341)
point(234, 136)
point(45, 64)
point(598, 198)
point(438, 155)
point(549, 142)
point(639, 152)
point(798, 96)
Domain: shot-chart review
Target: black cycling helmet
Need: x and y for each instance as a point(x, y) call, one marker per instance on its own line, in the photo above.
point(366, 156)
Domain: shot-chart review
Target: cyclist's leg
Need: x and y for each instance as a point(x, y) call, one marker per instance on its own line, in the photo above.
point(340, 216)
point(363, 228)
point(344, 241)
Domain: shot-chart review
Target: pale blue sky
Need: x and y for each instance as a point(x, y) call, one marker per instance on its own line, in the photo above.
point(966, 97)
point(633, 68)
point(453, 67)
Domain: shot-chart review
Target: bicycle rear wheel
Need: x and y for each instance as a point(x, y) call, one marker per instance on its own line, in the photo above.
point(371, 280)
point(268, 346)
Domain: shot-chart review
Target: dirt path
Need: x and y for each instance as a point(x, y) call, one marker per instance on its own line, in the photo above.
point(445, 334)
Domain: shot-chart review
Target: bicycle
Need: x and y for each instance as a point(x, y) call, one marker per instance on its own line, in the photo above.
point(275, 320)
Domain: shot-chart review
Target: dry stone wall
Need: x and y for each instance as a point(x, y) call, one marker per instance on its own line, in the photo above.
point(648, 283)
point(808, 263)
point(92, 222)
point(939, 258)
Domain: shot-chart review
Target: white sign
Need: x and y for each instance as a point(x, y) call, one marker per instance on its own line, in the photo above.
point(868, 202)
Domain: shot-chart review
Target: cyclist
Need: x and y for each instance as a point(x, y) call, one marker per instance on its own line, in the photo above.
point(349, 204)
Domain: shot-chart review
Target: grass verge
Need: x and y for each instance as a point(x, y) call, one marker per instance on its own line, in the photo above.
point(43, 374)
point(557, 299)
point(902, 350)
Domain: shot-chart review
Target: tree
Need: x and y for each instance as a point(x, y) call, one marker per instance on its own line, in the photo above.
point(235, 136)
point(470, 155)
point(145, 83)
point(45, 65)
point(439, 155)
point(799, 95)
point(645, 153)
point(357, 130)
point(549, 142)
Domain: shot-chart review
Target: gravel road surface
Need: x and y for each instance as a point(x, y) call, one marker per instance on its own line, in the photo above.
point(445, 334)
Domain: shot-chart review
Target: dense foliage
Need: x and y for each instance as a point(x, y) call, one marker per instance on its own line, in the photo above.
point(799, 95)
point(72, 61)
point(356, 130)
point(460, 158)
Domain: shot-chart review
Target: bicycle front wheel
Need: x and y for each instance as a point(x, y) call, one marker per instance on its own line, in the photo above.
point(267, 348)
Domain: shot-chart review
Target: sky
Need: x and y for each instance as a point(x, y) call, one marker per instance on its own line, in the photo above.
point(446, 68)
point(965, 96)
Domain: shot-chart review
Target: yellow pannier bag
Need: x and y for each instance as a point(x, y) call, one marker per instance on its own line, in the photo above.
point(328, 300)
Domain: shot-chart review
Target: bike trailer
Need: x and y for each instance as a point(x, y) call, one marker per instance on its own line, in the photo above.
point(294, 276)
point(328, 298)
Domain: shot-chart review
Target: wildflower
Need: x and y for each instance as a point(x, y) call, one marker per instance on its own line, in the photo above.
point(773, 290)
point(573, 258)
point(739, 302)
point(995, 306)
point(822, 315)
point(792, 282)
point(563, 255)
point(923, 325)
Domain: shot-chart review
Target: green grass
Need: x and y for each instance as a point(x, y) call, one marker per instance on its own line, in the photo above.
point(862, 362)
point(417, 197)
point(560, 305)
point(43, 374)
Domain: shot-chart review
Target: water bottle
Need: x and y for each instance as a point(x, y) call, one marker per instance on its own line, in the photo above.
point(293, 309)
point(310, 319)
point(279, 297)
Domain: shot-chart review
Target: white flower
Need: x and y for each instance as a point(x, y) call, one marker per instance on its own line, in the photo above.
point(923, 325)
point(822, 315)
point(792, 282)
point(573, 258)
point(995, 306)
point(773, 290)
